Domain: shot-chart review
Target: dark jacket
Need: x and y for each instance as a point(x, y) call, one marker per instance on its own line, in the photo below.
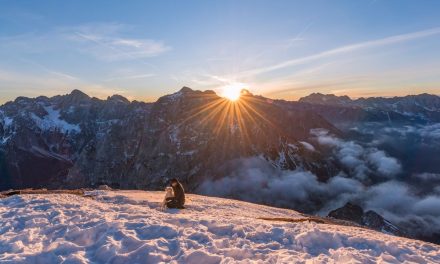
point(179, 194)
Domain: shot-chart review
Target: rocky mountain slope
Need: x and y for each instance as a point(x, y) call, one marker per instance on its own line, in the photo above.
point(77, 141)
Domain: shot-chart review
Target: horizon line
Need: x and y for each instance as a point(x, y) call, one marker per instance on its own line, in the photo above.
point(208, 90)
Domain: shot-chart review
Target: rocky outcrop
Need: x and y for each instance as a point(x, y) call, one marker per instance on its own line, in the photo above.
point(355, 213)
point(350, 212)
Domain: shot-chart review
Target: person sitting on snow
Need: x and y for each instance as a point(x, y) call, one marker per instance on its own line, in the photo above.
point(178, 201)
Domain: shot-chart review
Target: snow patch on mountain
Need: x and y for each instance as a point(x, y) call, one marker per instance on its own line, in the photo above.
point(129, 227)
point(175, 96)
point(5, 120)
point(52, 121)
point(6, 124)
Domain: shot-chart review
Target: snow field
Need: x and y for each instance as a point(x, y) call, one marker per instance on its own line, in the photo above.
point(129, 227)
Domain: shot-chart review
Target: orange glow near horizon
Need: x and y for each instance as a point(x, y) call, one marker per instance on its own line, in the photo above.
point(233, 92)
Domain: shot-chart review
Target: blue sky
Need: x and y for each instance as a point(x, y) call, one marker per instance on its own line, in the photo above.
point(280, 49)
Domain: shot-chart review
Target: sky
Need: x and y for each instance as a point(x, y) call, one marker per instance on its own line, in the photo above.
point(280, 49)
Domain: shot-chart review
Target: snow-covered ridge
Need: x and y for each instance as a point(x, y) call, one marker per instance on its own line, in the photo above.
point(129, 227)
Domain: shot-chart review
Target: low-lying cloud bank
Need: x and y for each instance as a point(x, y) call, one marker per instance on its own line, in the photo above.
point(370, 178)
point(362, 163)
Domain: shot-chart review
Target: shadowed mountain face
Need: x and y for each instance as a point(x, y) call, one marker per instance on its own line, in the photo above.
point(77, 141)
point(43, 138)
point(420, 108)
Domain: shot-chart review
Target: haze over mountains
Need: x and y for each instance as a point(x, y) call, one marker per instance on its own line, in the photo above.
point(314, 155)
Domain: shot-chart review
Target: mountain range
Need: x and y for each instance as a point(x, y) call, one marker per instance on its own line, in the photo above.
point(75, 141)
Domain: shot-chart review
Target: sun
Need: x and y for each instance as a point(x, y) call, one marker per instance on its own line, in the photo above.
point(232, 91)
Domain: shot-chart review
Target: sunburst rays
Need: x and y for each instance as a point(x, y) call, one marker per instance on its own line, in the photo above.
point(235, 118)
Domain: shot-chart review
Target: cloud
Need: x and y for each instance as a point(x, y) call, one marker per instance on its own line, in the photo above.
point(384, 164)
point(361, 162)
point(345, 49)
point(114, 49)
point(108, 42)
point(430, 131)
point(392, 196)
point(104, 41)
point(427, 176)
point(416, 146)
point(398, 203)
point(131, 77)
point(427, 131)
point(428, 206)
point(50, 71)
point(256, 180)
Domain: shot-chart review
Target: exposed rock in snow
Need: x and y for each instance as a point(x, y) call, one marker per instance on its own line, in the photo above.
point(349, 212)
point(371, 219)
point(129, 227)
